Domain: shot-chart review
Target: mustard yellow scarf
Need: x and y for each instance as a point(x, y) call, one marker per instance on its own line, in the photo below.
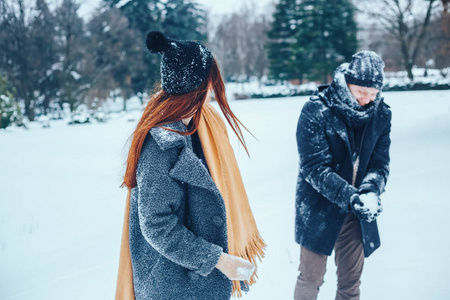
point(124, 287)
point(244, 239)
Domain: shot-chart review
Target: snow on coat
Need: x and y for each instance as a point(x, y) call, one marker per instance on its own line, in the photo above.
point(178, 224)
point(326, 168)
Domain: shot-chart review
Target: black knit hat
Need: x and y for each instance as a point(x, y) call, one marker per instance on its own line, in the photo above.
point(365, 69)
point(184, 64)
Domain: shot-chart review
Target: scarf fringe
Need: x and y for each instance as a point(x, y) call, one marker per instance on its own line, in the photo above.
point(254, 249)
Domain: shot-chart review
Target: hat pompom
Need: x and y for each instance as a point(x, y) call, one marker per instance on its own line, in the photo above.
point(157, 42)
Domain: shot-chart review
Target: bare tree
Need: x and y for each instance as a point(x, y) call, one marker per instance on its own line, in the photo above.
point(256, 52)
point(239, 42)
point(406, 21)
point(71, 41)
point(443, 40)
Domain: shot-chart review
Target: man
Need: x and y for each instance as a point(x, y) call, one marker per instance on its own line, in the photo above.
point(343, 142)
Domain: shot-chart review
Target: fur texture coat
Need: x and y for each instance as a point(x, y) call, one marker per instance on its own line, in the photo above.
point(178, 224)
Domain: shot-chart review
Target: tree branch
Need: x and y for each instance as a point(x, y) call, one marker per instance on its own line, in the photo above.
point(422, 30)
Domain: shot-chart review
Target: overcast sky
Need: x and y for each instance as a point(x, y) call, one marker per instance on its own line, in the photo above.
point(215, 7)
point(226, 6)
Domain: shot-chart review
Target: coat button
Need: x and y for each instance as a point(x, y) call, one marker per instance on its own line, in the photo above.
point(218, 221)
point(192, 275)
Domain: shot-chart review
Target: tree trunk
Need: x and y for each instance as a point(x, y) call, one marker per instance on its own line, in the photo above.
point(407, 62)
point(421, 35)
point(29, 109)
point(46, 104)
point(409, 67)
point(444, 49)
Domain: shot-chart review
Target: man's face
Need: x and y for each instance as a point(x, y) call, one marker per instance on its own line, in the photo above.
point(364, 95)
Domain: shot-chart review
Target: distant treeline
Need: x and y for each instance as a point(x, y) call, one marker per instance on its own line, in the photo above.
point(53, 56)
point(50, 55)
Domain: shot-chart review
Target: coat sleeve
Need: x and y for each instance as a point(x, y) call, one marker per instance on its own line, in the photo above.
point(159, 198)
point(315, 158)
point(378, 168)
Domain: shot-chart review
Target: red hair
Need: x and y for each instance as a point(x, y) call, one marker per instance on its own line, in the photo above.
point(164, 108)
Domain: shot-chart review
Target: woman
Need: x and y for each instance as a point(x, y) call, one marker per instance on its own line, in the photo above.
point(191, 231)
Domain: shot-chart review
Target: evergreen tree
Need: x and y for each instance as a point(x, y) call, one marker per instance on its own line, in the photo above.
point(325, 37)
point(143, 16)
point(9, 109)
point(185, 20)
point(280, 52)
point(15, 51)
point(180, 19)
point(114, 57)
point(310, 38)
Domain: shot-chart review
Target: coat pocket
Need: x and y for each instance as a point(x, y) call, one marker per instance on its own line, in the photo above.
point(167, 273)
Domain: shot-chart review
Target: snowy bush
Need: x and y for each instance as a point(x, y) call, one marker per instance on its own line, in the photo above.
point(254, 89)
point(394, 81)
point(80, 115)
point(100, 115)
point(44, 121)
point(424, 79)
point(9, 110)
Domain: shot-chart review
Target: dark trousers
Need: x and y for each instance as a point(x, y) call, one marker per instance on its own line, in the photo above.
point(349, 259)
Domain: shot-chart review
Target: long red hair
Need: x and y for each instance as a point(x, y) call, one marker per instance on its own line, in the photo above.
point(164, 108)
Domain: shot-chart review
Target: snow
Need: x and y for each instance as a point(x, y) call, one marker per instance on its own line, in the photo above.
point(370, 201)
point(204, 55)
point(61, 208)
point(245, 273)
point(80, 116)
point(44, 121)
point(122, 3)
point(370, 205)
point(5, 99)
point(75, 75)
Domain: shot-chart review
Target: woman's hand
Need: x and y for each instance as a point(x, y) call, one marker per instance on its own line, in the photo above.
point(235, 268)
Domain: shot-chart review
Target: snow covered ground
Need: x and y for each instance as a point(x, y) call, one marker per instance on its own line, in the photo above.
point(61, 209)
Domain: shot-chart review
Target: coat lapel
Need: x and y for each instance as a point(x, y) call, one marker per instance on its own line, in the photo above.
point(188, 168)
point(339, 127)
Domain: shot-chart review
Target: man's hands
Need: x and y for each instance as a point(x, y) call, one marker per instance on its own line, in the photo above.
point(366, 206)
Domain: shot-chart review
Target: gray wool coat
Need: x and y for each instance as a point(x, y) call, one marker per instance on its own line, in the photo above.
point(326, 170)
point(178, 224)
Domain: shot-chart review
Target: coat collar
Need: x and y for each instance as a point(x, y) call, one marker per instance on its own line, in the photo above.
point(167, 139)
point(188, 168)
point(371, 127)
